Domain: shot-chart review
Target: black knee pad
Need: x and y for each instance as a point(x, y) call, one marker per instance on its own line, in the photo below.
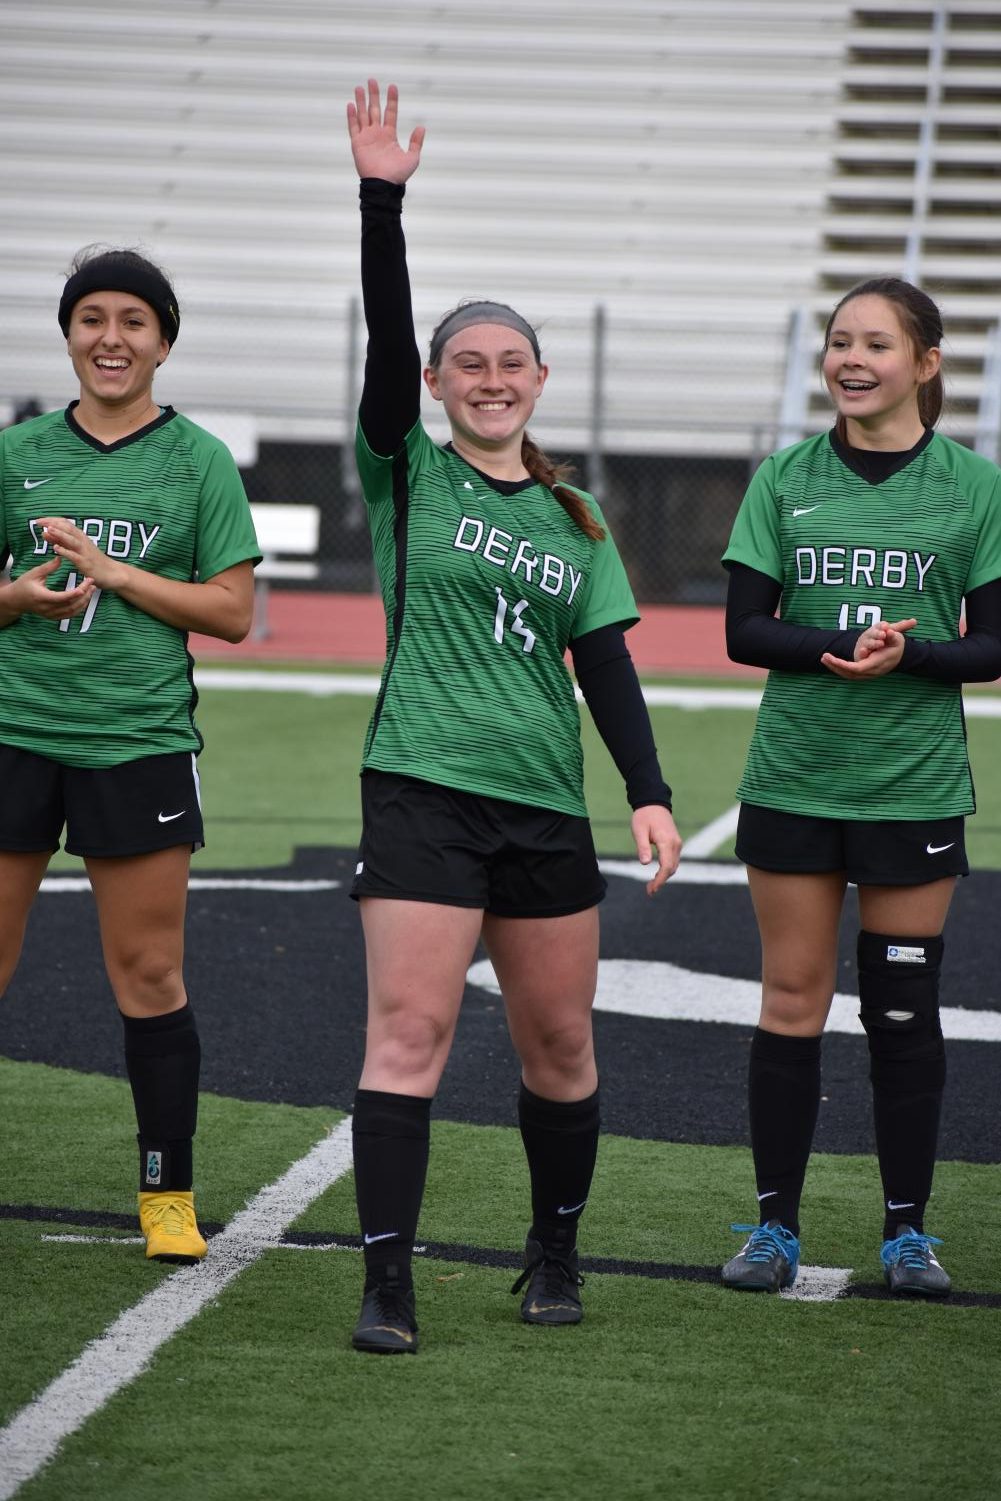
point(898, 981)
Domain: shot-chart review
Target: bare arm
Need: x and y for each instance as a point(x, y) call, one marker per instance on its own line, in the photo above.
point(220, 606)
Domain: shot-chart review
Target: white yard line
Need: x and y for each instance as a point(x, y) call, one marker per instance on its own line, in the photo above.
point(814, 1284)
point(666, 992)
point(329, 684)
point(818, 1284)
point(123, 1352)
point(701, 844)
point(204, 883)
point(698, 874)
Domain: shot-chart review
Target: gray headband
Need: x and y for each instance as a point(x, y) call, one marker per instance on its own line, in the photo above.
point(480, 312)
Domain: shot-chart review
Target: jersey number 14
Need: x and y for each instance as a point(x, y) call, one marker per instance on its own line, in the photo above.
point(517, 626)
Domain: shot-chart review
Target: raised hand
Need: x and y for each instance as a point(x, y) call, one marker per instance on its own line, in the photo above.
point(374, 144)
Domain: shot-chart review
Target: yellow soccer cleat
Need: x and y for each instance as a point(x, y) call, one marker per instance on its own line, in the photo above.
point(167, 1220)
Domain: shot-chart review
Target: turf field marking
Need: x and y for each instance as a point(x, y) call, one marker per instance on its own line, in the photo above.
point(699, 845)
point(127, 1346)
point(814, 1284)
point(818, 1284)
point(666, 992)
point(202, 883)
point(723, 873)
point(703, 873)
point(366, 685)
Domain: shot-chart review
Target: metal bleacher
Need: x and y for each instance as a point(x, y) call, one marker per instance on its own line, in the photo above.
point(665, 160)
point(698, 168)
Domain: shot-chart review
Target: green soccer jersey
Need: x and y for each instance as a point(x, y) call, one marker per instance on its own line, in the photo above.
point(483, 591)
point(114, 683)
point(847, 554)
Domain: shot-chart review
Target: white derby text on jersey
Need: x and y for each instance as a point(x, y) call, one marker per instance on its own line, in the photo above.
point(552, 574)
point(118, 541)
point(891, 568)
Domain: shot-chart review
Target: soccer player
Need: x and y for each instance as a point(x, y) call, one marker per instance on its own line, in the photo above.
point(474, 823)
point(867, 539)
point(127, 526)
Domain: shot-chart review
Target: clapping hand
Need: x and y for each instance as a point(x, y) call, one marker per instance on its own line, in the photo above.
point(877, 651)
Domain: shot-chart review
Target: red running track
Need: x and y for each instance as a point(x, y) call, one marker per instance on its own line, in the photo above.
point(350, 629)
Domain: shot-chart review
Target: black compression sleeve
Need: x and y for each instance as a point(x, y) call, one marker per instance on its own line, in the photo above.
point(391, 396)
point(612, 692)
point(754, 635)
point(975, 657)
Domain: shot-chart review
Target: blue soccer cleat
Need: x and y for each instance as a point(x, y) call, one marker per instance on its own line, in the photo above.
point(910, 1264)
point(768, 1261)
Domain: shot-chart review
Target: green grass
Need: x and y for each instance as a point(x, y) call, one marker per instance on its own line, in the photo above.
point(281, 770)
point(667, 1388)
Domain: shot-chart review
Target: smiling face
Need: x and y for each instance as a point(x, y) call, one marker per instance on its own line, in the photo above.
point(874, 373)
point(488, 380)
point(115, 343)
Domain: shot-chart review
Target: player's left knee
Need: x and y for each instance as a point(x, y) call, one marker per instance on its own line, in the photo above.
point(566, 1051)
point(899, 1008)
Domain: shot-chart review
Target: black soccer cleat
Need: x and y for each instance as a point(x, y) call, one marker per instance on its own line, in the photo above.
point(910, 1265)
point(552, 1279)
point(765, 1263)
point(386, 1324)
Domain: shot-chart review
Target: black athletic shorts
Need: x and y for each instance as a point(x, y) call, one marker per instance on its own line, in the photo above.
point(884, 852)
point(425, 843)
point(130, 809)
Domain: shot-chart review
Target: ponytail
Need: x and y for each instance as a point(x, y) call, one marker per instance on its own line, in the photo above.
point(555, 477)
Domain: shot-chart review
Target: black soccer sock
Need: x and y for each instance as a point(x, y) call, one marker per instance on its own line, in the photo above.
point(391, 1135)
point(163, 1059)
point(783, 1099)
point(898, 992)
point(561, 1144)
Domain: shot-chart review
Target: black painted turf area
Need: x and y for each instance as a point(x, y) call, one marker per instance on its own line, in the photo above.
point(278, 984)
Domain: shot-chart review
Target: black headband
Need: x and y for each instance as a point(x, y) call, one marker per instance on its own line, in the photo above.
point(120, 273)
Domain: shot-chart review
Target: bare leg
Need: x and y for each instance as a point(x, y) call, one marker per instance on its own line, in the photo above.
point(417, 954)
point(20, 877)
point(548, 970)
point(141, 901)
point(798, 919)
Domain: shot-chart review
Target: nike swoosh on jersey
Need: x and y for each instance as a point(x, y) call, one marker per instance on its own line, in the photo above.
point(805, 510)
point(169, 817)
point(936, 849)
point(33, 484)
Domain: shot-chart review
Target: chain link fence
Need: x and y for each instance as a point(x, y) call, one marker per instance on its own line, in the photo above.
point(670, 514)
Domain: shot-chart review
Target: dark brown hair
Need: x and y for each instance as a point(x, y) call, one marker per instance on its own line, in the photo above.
point(921, 322)
point(554, 476)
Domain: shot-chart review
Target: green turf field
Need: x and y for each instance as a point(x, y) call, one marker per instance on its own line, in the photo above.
point(672, 1387)
point(668, 1388)
point(281, 769)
